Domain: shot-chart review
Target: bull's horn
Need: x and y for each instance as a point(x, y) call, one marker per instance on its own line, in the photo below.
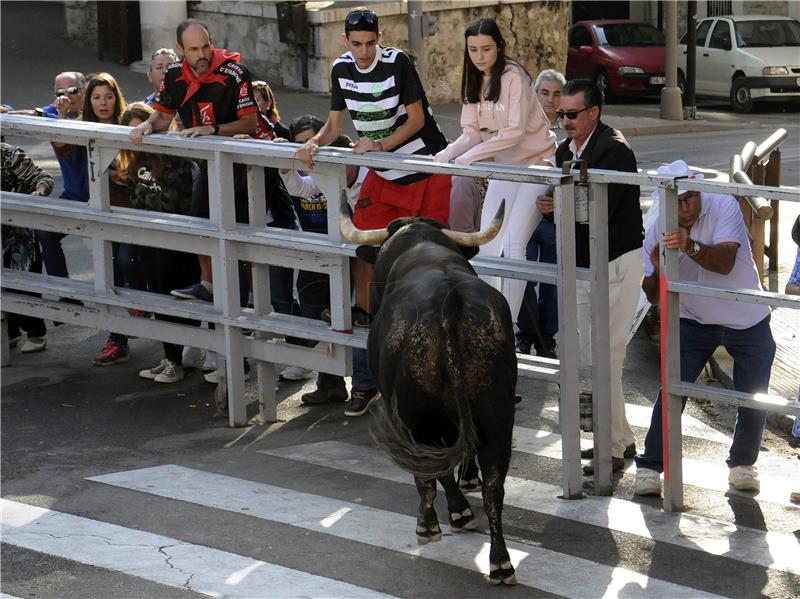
point(349, 230)
point(482, 236)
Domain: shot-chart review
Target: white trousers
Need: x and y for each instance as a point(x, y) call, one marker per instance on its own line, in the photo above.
point(521, 219)
point(624, 280)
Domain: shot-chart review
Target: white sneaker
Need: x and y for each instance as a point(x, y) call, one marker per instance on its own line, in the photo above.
point(172, 373)
point(296, 373)
point(192, 357)
point(34, 344)
point(210, 362)
point(213, 377)
point(744, 478)
point(152, 373)
point(648, 482)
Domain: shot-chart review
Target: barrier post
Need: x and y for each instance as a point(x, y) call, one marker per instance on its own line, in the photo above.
point(600, 350)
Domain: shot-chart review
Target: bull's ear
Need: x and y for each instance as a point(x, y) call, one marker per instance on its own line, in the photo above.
point(368, 253)
point(469, 252)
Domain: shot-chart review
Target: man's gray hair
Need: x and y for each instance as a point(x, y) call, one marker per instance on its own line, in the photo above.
point(162, 52)
point(549, 75)
point(78, 77)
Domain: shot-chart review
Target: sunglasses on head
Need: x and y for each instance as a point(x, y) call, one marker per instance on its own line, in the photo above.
point(354, 18)
point(71, 91)
point(571, 114)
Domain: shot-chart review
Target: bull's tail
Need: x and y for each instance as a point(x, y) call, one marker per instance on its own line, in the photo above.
point(423, 460)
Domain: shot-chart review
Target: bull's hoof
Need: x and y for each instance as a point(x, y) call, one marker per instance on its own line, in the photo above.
point(427, 535)
point(502, 574)
point(469, 485)
point(463, 521)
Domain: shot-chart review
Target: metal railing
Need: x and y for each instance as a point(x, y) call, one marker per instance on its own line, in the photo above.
point(228, 242)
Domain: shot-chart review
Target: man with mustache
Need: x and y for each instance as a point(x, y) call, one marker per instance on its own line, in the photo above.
point(588, 138)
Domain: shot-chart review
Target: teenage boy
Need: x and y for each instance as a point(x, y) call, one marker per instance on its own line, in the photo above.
point(381, 90)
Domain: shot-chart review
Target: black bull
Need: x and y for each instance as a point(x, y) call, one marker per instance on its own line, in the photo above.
point(441, 348)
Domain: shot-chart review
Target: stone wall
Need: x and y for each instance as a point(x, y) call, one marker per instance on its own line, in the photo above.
point(81, 20)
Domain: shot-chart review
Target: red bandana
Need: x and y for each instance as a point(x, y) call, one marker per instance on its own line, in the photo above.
point(218, 56)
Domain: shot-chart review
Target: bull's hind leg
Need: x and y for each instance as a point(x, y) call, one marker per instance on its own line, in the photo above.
point(461, 516)
point(427, 524)
point(468, 478)
point(494, 466)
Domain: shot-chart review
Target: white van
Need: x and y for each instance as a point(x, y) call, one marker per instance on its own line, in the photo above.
point(746, 59)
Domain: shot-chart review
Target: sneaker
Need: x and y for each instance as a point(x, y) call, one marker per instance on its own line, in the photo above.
point(744, 478)
point(196, 291)
point(630, 452)
point(192, 357)
point(171, 373)
point(360, 401)
point(295, 373)
point(648, 482)
point(152, 373)
point(33, 345)
point(213, 377)
point(523, 347)
point(112, 353)
point(209, 362)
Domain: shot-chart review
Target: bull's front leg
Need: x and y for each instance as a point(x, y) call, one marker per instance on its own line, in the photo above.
point(461, 516)
point(428, 529)
point(494, 470)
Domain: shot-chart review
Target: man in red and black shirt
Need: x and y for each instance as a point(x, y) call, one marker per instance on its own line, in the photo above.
point(212, 94)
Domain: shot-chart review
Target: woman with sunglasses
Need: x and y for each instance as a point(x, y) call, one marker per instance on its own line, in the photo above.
point(504, 122)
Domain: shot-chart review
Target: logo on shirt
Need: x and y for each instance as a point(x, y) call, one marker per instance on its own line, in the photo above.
point(243, 89)
point(377, 89)
point(206, 113)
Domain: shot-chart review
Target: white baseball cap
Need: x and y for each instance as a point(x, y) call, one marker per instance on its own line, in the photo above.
point(677, 169)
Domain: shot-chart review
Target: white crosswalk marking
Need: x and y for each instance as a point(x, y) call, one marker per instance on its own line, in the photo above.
point(713, 477)
point(161, 559)
point(690, 426)
point(538, 568)
point(773, 550)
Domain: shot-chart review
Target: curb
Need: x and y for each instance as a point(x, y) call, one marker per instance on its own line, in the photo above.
point(676, 127)
point(782, 422)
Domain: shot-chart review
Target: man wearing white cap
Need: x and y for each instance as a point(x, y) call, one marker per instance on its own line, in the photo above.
point(714, 249)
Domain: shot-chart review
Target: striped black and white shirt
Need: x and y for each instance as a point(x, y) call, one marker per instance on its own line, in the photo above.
point(377, 98)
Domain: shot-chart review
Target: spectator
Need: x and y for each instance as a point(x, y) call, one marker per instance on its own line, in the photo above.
point(160, 183)
point(538, 318)
point(502, 121)
point(268, 107)
point(159, 61)
point(70, 89)
point(714, 250)
point(212, 94)
point(398, 100)
point(602, 147)
point(793, 288)
point(20, 250)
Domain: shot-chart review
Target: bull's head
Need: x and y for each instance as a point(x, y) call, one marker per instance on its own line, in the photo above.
point(376, 237)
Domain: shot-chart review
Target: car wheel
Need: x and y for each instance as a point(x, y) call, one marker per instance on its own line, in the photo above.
point(741, 101)
point(605, 86)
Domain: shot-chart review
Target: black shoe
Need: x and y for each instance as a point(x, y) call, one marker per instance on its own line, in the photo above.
point(517, 398)
point(523, 347)
point(196, 291)
point(360, 400)
point(616, 464)
point(330, 389)
point(358, 317)
point(630, 452)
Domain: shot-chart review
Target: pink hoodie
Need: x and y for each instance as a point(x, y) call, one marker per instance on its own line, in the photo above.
point(513, 130)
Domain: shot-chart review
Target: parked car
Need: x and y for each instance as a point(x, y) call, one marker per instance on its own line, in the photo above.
point(745, 59)
point(624, 57)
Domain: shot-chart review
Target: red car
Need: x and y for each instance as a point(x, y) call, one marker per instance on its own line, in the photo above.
point(624, 57)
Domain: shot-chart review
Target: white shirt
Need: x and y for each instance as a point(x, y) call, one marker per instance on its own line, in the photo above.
point(576, 151)
point(720, 220)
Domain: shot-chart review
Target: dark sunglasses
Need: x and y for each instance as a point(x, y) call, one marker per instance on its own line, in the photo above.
point(354, 18)
point(571, 114)
point(69, 91)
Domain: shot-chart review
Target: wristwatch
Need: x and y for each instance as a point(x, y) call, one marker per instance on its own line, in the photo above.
point(695, 248)
point(216, 129)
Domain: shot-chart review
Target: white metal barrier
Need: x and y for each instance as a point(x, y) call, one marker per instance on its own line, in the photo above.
point(228, 242)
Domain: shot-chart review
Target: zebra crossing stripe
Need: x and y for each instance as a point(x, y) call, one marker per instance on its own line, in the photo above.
point(162, 559)
point(772, 550)
point(537, 567)
point(704, 475)
point(690, 426)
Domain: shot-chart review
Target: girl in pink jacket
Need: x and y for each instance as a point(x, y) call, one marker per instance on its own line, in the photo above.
point(504, 122)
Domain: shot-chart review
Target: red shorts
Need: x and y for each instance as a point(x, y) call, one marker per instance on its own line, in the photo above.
point(381, 201)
